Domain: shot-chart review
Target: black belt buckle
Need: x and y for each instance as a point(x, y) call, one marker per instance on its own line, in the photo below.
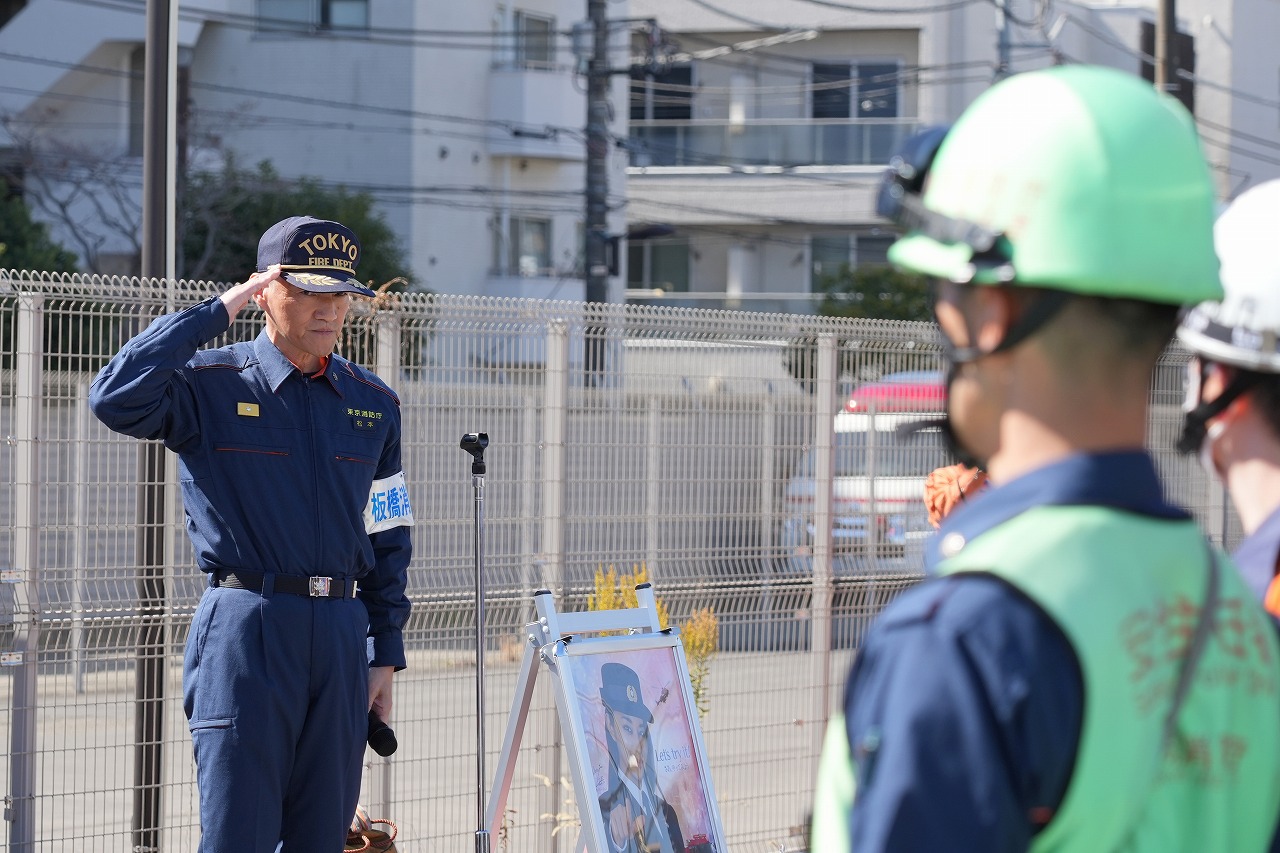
point(319, 586)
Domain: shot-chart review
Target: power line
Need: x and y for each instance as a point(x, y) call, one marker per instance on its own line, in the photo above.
point(734, 16)
point(896, 10)
point(307, 100)
point(447, 39)
point(1235, 93)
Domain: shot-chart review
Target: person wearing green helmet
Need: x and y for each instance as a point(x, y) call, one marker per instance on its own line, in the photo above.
point(1233, 389)
point(1083, 671)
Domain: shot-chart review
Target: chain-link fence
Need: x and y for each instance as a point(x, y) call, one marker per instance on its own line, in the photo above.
point(625, 437)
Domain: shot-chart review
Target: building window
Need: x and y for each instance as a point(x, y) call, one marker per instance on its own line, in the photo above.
point(831, 88)
point(535, 41)
point(293, 16)
point(661, 262)
point(865, 91)
point(525, 249)
point(828, 253)
point(662, 97)
point(855, 90)
point(873, 250)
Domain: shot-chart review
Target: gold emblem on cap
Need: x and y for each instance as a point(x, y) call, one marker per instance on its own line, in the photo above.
point(247, 410)
point(315, 279)
point(631, 694)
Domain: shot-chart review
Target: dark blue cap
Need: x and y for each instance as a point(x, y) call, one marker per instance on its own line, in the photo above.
point(620, 690)
point(314, 254)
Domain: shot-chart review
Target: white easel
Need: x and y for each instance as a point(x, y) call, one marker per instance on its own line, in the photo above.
point(551, 641)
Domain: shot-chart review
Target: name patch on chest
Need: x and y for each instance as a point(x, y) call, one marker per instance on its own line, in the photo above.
point(247, 410)
point(365, 420)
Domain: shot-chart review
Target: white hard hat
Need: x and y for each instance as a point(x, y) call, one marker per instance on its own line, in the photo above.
point(1244, 328)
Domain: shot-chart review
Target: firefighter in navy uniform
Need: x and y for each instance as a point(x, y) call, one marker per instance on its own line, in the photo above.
point(298, 511)
point(1083, 672)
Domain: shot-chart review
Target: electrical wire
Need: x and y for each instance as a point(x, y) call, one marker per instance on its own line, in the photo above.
point(509, 126)
point(398, 36)
point(895, 10)
point(734, 16)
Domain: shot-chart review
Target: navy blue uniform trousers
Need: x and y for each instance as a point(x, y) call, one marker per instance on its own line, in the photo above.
point(253, 656)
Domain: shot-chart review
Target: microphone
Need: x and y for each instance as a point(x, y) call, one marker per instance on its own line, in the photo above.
point(381, 738)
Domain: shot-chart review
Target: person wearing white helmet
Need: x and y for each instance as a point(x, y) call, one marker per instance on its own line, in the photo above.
point(1233, 394)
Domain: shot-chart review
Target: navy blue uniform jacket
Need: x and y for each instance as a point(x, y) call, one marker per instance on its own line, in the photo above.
point(276, 468)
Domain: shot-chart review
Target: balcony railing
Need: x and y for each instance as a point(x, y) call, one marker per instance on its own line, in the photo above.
point(768, 142)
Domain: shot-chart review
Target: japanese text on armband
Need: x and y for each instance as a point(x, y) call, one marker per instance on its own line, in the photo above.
point(388, 505)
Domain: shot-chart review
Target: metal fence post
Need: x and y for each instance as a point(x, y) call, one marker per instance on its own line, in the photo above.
point(653, 486)
point(767, 528)
point(387, 356)
point(823, 585)
point(26, 575)
point(387, 364)
point(80, 560)
point(531, 579)
point(555, 406)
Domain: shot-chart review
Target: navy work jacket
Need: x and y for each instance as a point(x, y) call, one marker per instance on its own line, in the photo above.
point(964, 706)
point(276, 468)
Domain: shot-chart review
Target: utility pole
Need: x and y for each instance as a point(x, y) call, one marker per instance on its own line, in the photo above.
point(1002, 39)
point(158, 166)
point(599, 242)
point(598, 110)
point(1166, 53)
point(597, 184)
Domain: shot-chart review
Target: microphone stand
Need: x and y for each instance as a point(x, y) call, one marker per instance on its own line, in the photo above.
point(475, 443)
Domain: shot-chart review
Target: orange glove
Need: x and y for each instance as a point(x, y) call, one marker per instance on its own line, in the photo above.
point(947, 486)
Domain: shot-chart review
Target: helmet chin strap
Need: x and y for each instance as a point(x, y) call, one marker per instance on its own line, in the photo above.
point(1195, 424)
point(1040, 311)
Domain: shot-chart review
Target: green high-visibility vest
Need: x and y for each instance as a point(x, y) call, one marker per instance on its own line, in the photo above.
point(1126, 590)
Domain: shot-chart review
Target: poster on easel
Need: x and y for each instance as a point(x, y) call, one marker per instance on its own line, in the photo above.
point(642, 753)
point(630, 728)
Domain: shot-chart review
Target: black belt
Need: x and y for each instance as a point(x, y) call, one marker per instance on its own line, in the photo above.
point(313, 587)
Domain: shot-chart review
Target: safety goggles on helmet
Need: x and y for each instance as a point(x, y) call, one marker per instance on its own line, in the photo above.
point(899, 200)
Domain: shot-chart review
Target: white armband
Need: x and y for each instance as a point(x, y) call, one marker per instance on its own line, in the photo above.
point(388, 505)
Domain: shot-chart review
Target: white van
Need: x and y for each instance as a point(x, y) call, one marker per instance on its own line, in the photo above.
point(878, 481)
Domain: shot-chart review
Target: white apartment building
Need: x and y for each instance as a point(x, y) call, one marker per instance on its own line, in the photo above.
point(755, 152)
point(762, 144)
point(463, 119)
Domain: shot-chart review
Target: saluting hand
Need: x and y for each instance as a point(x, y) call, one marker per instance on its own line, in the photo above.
point(237, 297)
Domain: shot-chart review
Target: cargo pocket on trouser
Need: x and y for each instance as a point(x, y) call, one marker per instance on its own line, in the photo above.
point(211, 740)
point(194, 651)
point(224, 666)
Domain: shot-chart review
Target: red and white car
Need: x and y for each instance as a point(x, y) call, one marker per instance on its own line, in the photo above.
point(878, 477)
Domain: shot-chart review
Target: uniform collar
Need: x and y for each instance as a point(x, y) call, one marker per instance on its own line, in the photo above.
point(278, 368)
point(1256, 556)
point(1122, 480)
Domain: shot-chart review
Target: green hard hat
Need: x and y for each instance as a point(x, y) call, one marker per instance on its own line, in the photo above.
point(1090, 181)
